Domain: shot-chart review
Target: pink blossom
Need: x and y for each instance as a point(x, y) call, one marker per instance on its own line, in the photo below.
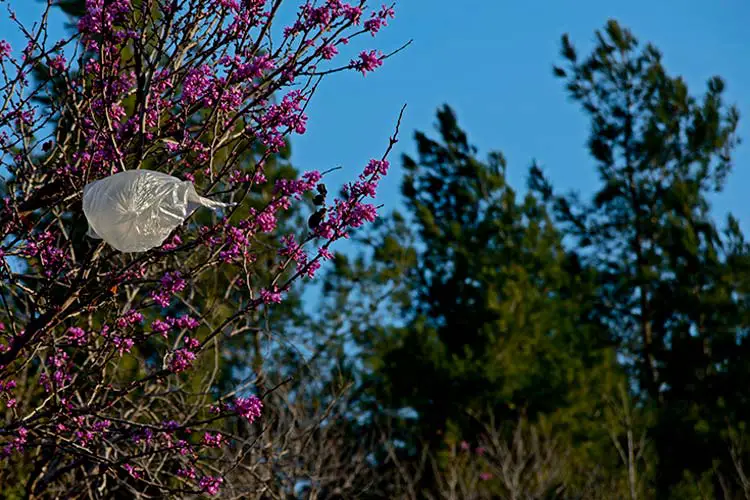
point(5, 50)
point(212, 440)
point(187, 473)
point(272, 296)
point(329, 51)
point(210, 485)
point(192, 343)
point(134, 473)
point(160, 327)
point(176, 240)
point(186, 322)
point(17, 444)
point(367, 62)
point(77, 336)
point(266, 222)
point(183, 447)
point(123, 344)
point(129, 318)
point(58, 63)
point(375, 169)
point(198, 82)
point(325, 253)
point(249, 408)
point(171, 283)
point(182, 359)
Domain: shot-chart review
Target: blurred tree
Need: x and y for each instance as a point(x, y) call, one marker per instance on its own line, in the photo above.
point(672, 286)
point(470, 307)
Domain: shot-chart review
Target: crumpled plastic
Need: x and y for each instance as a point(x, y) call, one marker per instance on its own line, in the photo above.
point(136, 210)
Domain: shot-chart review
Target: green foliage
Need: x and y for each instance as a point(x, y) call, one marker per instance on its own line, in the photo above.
point(671, 283)
point(490, 310)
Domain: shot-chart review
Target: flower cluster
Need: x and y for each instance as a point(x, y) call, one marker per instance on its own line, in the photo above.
point(163, 327)
point(171, 284)
point(248, 408)
point(210, 485)
point(379, 19)
point(351, 212)
point(368, 61)
point(17, 444)
point(182, 359)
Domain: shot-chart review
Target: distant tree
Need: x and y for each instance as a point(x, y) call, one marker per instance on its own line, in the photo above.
point(672, 285)
point(468, 306)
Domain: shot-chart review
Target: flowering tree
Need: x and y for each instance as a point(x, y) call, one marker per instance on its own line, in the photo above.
point(109, 361)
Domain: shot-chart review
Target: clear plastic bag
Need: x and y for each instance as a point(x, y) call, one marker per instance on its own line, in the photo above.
point(136, 210)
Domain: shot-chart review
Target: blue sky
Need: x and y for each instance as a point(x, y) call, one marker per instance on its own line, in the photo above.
point(491, 61)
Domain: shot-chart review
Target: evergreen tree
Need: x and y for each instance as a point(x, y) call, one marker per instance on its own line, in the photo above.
point(671, 284)
point(470, 307)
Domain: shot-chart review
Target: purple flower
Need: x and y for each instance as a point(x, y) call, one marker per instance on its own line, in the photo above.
point(176, 240)
point(368, 61)
point(329, 51)
point(170, 425)
point(58, 63)
point(187, 322)
point(266, 222)
point(183, 446)
point(188, 473)
point(248, 408)
point(77, 335)
point(198, 82)
point(325, 253)
point(129, 318)
point(4, 50)
point(182, 359)
point(123, 344)
point(210, 485)
point(272, 296)
point(171, 283)
point(192, 343)
point(379, 19)
point(375, 169)
point(101, 426)
point(161, 327)
point(17, 444)
point(145, 436)
point(132, 471)
point(212, 440)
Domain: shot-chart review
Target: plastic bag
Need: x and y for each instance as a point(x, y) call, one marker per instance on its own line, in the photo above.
point(136, 210)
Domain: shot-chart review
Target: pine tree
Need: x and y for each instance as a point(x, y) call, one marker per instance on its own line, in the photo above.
point(670, 283)
point(469, 306)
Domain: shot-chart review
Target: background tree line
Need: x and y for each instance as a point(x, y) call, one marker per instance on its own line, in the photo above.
point(550, 346)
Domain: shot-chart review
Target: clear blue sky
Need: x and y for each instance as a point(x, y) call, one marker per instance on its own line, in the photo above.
point(491, 60)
